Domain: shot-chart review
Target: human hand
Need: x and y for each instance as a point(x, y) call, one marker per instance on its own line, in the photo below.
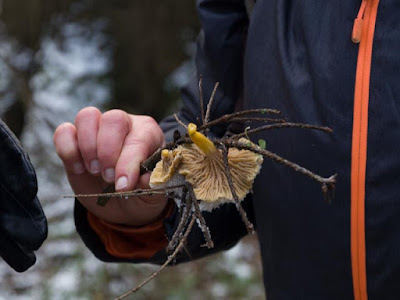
point(100, 149)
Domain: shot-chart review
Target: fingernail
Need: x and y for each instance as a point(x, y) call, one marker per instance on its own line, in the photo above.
point(78, 168)
point(109, 174)
point(94, 166)
point(122, 182)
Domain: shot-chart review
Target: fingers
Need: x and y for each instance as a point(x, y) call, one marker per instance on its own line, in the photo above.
point(66, 144)
point(87, 127)
point(112, 145)
point(143, 139)
point(114, 127)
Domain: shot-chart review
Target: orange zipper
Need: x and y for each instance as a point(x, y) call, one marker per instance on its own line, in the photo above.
point(363, 33)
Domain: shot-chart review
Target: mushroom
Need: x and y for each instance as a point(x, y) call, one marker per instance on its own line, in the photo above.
point(165, 168)
point(201, 164)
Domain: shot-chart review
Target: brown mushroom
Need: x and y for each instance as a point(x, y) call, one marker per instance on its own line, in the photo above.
point(202, 165)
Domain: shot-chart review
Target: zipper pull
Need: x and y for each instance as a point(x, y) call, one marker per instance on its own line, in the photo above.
point(358, 23)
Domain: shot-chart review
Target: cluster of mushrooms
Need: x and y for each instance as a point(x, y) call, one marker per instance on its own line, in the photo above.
point(201, 165)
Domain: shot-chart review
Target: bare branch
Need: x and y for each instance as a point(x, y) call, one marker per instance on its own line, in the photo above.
point(282, 125)
point(203, 226)
point(186, 206)
point(249, 225)
point(180, 122)
point(201, 99)
point(251, 119)
point(134, 193)
point(330, 181)
point(228, 117)
point(209, 105)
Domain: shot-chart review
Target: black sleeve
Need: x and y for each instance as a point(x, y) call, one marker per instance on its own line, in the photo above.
point(23, 226)
point(219, 57)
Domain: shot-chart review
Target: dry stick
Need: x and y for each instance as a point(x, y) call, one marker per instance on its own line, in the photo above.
point(201, 99)
point(251, 119)
point(249, 225)
point(180, 122)
point(330, 181)
point(282, 125)
point(209, 105)
point(203, 226)
point(137, 192)
point(168, 261)
point(228, 117)
point(186, 209)
point(236, 119)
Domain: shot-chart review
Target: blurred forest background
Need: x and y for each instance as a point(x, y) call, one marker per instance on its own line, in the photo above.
point(58, 56)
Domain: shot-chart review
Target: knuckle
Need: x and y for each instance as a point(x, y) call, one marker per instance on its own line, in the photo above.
point(152, 130)
point(149, 121)
point(115, 116)
point(86, 113)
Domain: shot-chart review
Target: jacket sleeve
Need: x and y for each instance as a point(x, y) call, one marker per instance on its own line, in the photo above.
point(219, 58)
point(23, 225)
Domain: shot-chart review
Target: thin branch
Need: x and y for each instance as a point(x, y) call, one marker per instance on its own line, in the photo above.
point(209, 105)
point(201, 99)
point(228, 117)
point(134, 193)
point(282, 125)
point(186, 209)
point(249, 225)
point(250, 119)
point(202, 222)
point(167, 262)
point(330, 181)
point(180, 122)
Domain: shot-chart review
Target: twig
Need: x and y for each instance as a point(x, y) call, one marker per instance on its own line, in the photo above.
point(180, 122)
point(250, 119)
point(209, 105)
point(201, 99)
point(249, 225)
point(330, 181)
point(167, 262)
point(202, 222)
point(186, 208)
point(137, 192)
point(228, 117)
point(282, 125)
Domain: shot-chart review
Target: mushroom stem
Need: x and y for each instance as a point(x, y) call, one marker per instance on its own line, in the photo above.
point(200, 140)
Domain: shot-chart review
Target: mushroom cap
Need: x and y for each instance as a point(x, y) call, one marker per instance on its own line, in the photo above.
point(165, 169)
point(206, 173)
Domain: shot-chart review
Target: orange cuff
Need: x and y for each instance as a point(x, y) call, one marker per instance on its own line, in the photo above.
point(140, 242)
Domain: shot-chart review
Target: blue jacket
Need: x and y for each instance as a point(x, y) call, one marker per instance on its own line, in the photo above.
point(298, 57)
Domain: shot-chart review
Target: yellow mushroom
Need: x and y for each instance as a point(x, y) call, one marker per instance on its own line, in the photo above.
point(165, 169)
point(201, 164)
point(201, 140)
